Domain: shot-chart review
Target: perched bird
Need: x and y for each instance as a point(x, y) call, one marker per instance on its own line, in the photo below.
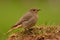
point(28, 20)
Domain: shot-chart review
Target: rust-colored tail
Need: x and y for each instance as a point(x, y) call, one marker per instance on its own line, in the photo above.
point(14, 28)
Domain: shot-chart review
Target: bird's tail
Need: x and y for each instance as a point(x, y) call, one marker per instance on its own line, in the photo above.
point(13, 28)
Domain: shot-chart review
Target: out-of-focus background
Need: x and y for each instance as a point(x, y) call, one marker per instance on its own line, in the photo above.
point(12, 10)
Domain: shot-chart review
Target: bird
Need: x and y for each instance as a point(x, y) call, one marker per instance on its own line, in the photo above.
point(27, 21)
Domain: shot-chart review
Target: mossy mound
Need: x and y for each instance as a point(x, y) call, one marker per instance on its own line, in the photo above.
point(41, 32)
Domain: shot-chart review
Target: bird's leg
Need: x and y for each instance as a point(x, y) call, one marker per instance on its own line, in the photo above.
point(28, 31)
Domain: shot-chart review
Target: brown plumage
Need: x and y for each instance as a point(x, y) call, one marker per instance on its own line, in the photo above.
point(28, 20)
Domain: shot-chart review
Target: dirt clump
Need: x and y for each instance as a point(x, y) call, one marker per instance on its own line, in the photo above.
point(38, 33)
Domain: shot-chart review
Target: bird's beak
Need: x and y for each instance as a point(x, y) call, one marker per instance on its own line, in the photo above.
point(38, 10)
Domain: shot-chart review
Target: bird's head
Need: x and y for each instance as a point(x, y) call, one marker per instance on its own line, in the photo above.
point(34, 10)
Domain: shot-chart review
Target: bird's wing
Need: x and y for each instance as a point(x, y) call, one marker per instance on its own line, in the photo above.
point(19, 23)
point(31, 21)
point(22, 19)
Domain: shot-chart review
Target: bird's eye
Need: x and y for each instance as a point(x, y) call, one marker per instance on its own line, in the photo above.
point(33, 10)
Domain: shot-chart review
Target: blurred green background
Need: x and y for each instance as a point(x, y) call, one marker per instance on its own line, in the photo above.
point(12, 10)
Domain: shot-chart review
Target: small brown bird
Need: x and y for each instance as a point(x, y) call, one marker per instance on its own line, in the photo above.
point(28, 20)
